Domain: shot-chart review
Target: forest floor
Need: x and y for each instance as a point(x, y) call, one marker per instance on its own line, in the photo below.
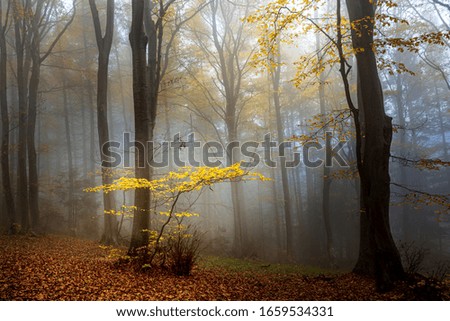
point(64, 268)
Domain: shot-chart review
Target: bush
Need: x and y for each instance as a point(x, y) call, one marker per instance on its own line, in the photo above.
point(183, 249)
point(413, 257)
point(440, 270)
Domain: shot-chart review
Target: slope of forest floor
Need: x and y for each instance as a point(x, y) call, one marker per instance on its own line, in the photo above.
point(63, 268)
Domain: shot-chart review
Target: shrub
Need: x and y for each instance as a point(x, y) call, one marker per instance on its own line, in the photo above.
point(413, 257)
point(183, 249)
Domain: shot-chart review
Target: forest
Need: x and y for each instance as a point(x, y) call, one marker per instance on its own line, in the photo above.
point(225, 150)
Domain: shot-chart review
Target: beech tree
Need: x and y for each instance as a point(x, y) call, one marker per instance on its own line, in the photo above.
point(138, 41)
point(226, 48)
point(31, 26)
point(378, 255)
point(155, 25)
point(104, 43)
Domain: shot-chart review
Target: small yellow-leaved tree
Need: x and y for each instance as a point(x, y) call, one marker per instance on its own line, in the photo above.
point(171, 244)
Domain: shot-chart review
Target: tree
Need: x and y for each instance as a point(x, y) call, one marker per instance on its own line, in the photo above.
point(104, 43)
point(31, 25)
point(154, 27)
point(378, 255)
point(226, 51)
point(23, 66)
point(138, 41)
point(6, 178)
point(275, 75)
point(166, 243)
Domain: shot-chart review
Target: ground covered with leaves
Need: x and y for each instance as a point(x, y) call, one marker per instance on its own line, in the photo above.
point(63, 268)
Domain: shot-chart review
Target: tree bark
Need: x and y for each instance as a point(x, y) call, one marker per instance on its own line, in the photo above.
point(138, 42)
point(378, 254)
point(104, 43)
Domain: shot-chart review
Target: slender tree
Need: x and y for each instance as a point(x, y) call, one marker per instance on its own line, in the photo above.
point(6, 178)
point(31, 24)
point(22, 71)
point(104, 43)
point(224, 46)
point(275, 80)
point(152, 36)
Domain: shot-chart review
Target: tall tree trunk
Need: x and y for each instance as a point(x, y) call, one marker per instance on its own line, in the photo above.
point(326, 179)
point(6, 171)
point(33, 187)
point(138, 42)
point(22, 77)
point(104, 43)
point(380, 257)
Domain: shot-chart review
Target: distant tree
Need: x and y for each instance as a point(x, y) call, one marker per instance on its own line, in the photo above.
point(275, 77)
point(32, 23)
point(226, 48)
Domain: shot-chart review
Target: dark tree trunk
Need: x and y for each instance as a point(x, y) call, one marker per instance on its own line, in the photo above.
point(33, 187)
point(6, 172)
point(104, 43)
point(138, 41)
point(22, 77)
point(378, 254)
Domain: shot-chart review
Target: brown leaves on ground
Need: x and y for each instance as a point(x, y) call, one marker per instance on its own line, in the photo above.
point(62, 268)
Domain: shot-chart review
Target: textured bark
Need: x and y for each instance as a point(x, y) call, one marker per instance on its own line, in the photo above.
point(378, 254)
point(138, 41)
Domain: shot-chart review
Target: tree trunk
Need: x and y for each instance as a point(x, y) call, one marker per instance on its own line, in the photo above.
point(70, 206)
point(33, 187)
point(22, 75)
point(104, 43)
point(6, 178)
point(138, 41)
point(379, 257)
point(284, 175)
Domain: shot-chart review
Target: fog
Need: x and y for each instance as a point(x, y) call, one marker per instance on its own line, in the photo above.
point(220, 85)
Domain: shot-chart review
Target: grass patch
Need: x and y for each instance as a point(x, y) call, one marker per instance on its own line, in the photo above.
point(253, 266)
